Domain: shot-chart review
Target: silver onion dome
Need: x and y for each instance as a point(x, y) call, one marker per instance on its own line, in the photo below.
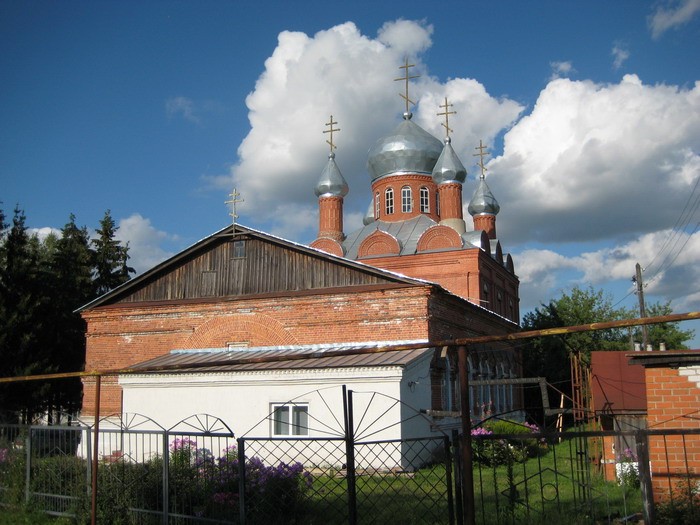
point(408, 149)
point(483, 201)
point(448, 167)
point(331, 181)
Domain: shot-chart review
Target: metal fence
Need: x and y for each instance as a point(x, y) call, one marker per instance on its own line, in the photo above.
point(200, 473)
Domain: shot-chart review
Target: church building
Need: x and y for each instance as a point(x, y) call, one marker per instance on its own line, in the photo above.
point(415, 272)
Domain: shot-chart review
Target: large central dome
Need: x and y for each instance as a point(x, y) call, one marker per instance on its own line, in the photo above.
point(408, 149)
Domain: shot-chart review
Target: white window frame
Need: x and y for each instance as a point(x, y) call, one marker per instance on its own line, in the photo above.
point(389, 200)
point(296, 422)
point(377, 205)
point(406, 199)
point(424, 200)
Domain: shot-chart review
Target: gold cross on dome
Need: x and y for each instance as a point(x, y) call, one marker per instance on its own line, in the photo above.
point(406, 78)
point(481, 156)
point(233, 201)
point(331, 130)
point(446, 114)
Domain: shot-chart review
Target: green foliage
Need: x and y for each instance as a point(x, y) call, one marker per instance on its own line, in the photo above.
point(42, 283)
point(681, 509)
point(549, 356)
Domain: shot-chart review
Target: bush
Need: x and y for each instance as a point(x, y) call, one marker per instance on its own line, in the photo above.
point(493, 452)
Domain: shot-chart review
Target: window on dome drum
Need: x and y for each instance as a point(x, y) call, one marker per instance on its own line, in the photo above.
point(406, 200)
point(290, 420)
point(424, 200)
point(389, 201)
point(377, 205)
point(238, 249)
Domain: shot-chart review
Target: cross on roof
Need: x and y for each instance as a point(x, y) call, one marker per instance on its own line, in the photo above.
point(446, 114)
point(481, 156)
point(331, 130)
point(406, 78)
point(233, 201)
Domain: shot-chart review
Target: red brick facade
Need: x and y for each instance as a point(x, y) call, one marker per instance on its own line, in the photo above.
point(673, 401)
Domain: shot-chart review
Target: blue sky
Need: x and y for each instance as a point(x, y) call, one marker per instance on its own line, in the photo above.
point(156, 110)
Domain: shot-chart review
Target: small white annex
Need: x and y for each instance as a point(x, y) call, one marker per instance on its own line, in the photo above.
point(281, 392)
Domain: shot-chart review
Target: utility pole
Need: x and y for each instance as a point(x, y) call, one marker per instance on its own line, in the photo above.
point(637, 279)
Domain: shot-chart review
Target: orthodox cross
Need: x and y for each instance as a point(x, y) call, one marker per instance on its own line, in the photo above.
point(446, 114)
point(481, 156)
point(406, 78)
point(233, 201)
point(331, 130)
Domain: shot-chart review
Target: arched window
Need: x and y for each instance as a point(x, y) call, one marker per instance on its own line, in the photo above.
point(424, 200)
point(389, 201)
point(406, 200)
point(377, 205)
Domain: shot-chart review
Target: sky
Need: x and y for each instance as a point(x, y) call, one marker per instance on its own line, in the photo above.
point(156, 110)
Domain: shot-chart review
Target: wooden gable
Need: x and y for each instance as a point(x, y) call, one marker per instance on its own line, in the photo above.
point(250, 263)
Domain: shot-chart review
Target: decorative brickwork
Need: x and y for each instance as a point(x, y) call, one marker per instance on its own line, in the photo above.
point(439, 237)
point(379, 243)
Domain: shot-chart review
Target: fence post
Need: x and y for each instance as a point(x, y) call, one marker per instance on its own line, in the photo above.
point(644, 470)
point(28, 465)
point(241, 481)
point(467, 466)
point(448, 474)
point(350, 456)
point(166, 480)
point(458, 474)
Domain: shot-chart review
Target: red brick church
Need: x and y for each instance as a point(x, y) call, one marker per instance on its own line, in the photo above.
point(414, 271)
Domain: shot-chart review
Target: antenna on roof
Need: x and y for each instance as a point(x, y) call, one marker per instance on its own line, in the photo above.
point(446, 114)
point(481, 156)
point(233, 201)
point(406, 78)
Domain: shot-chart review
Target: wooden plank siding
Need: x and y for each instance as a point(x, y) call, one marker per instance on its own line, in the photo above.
point(265, 268)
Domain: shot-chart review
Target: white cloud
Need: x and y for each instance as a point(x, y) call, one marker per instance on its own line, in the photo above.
point(595, 161)
point(343, 73)
point(43, 233)
point(145, 242)
point(672, 14)
point(620, 54)
point(182, 106)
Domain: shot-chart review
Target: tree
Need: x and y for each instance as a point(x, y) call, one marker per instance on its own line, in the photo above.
point(71, 286)
point(111, 257)
point(23, 319)
point(549, 356)
point(669, 333)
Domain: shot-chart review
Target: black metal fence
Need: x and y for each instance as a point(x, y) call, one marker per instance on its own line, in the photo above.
point(198, 472)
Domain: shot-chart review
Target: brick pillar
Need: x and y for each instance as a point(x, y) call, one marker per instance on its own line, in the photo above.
point(487, 223)
point(451, 206)
point(330, 217)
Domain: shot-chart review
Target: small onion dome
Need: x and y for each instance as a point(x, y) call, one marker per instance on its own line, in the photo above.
point(408, 149)
point(369, 214)
point(483, 201)
point(448, 167)
point(332, 181)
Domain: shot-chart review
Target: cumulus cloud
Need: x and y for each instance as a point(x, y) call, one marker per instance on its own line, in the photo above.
point(145, 242)
point(343, 73)
point(624, 156)
point(672, 14)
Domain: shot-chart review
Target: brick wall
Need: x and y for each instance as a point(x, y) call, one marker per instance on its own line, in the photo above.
point(120, 336)
point(673, 401)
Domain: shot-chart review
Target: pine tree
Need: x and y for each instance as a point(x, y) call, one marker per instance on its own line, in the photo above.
point(111, 268)
point(23, 309)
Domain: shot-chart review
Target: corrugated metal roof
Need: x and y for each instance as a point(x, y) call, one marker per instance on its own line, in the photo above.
point(198, 359)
